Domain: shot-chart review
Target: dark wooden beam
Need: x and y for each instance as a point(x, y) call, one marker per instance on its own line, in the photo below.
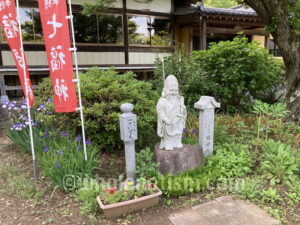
point(172, 23)
point(148, 13)
point(125, 32)
point(151, 49)
point(79, 8)
point(234, 31)
point(195, 21)
point(200, 32)
point(235, 22)
point(2, 86)
point(92, 48)
point(191, 39)
point(29, 3)
point(1, 59)
point(203, 37)
point(80, 47)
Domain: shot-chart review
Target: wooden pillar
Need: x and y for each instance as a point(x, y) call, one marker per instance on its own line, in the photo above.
point(191, 39)
point(145, 75)
point(202, 34)
point(2, 85)
point(3, 96)
point(125, 31)
point(267, 41)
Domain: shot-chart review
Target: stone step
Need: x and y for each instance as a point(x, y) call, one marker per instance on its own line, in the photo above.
point(223, 211)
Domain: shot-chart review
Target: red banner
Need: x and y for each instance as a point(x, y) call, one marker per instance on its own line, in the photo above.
point(57, 41)
point(10, 28)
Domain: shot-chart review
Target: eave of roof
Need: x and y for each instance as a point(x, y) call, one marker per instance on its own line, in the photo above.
point(202, 10)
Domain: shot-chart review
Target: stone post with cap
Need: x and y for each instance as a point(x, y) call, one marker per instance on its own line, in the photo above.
point(207, 106)
point(128, 128)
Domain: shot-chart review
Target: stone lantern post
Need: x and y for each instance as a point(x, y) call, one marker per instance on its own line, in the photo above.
point(128, 128)
point(207, 106)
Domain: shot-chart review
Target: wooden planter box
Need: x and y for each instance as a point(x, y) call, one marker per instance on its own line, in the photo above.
point(118, 209)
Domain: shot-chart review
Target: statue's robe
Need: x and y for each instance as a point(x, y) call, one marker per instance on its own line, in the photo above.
point(175, 114)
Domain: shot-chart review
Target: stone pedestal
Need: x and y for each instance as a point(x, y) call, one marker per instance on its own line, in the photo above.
point(128, 129)
point(207, 106)
point(179, 160)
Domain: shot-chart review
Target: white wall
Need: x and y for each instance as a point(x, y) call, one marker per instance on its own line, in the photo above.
point(93, 58)
point(144, 57)
point(39, 58)
point(36, 58)
point(163, 6)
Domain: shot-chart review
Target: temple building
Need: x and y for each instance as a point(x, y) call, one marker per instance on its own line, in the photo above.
point(130, 36)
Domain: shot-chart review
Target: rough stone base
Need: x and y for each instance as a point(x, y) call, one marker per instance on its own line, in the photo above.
point(179, 160)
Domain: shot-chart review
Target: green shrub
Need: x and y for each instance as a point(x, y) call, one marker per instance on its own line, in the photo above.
point(103, 92)
point(249, 188)
point(238, 70)
point(63, 160)
point(88, 194)
point(145, 165)
point(232, 159)
point(270, 195)
point(182, 66)
point(278, 161)
point(233, 71)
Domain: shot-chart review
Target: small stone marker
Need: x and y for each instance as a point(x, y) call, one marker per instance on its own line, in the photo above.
point(207, 106)
point(128, 128)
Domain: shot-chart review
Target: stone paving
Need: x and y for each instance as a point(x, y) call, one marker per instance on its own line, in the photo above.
point(223, 211)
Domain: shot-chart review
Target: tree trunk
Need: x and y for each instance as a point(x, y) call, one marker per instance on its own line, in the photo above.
point(289, 45)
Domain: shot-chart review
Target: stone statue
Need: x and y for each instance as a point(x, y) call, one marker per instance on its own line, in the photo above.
point(171, 113)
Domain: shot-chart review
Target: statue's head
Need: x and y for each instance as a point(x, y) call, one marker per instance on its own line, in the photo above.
point(170, 86)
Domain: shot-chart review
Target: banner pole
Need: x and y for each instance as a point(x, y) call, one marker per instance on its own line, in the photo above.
point(77, 78)
point(26, 93)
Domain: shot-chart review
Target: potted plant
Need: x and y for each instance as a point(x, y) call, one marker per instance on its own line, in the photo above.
point(115, 203)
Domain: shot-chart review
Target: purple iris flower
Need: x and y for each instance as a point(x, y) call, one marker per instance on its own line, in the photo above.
point(22, 116)
point(61, 152)
point(49, 99)
point(193, 131)
point(46, 149)
point(184, 130)
point(88, 142)
point(24, 105)
point(11, 105)
point(57, 165)
point(13, 127)
point(41, 107)
point(66, 134)
point(78, 148)
point(182, 137)
point(78, 138)
point(46, 134)
point(6, 103)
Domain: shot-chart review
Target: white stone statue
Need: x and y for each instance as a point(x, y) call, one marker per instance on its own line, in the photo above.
point(171, 113)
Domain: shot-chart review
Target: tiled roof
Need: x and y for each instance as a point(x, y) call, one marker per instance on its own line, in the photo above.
point(202, 10)
point(187, 10)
